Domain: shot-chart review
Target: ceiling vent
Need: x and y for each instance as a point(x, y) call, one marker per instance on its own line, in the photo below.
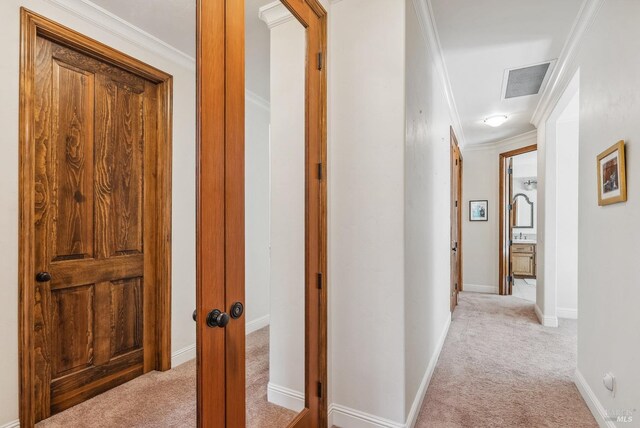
point(520, 82)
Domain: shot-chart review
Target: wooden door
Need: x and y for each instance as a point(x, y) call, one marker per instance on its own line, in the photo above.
point(456, 221)
point(510, 224)
point(220, 214)
point(99, 275)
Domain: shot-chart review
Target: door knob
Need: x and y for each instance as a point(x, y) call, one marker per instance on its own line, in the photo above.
point(217, 318)
point(43, 277)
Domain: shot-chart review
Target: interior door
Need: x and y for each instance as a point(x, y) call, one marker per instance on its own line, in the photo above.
point(90, 302)
point(511, 222)
point(220, 271)
point(456, 221)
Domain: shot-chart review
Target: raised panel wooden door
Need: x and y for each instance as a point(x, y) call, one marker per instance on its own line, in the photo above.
point(93, 167)
point(456, 214)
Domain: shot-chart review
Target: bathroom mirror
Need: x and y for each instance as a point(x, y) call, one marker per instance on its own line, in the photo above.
point(523, 211)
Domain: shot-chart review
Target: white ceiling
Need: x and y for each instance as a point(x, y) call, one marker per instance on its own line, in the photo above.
point(482, 39)
point(172, 21)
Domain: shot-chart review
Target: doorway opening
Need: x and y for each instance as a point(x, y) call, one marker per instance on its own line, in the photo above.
point(518, 223)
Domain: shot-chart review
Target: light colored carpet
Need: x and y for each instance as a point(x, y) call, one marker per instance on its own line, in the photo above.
point(168, 399)
point(500, 368)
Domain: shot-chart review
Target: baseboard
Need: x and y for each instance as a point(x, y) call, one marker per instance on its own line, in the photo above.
point(345, 417)
point(257, 324)
point(592, 401)
point(492, 289)
point(183, 355)
point(426, 380)
point(12, 424)
point(285, 397)
point(547, 321)
point(571, 314)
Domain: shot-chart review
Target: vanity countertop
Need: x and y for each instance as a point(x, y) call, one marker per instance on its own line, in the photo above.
point(524, 241)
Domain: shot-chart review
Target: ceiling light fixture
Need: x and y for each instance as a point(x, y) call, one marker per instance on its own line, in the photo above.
point(495, 121)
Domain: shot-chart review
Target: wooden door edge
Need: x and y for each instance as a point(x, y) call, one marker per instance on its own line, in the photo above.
point(33, 25)
point(502, 266)
point(453, 148)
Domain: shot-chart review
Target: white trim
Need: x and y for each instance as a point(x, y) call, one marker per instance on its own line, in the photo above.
point(426, 380)
point(274, 14)
point(426, 18)
point(476, 288)
point(567, 313)
point(562, 73)
point(252, 97)
point(12, 424)
point(285, 397)
point(183, 355)
point(511, 141)
point(96, 15)
point(597, 410)
point(547, 321)
point(256, 324)
point(345, 417)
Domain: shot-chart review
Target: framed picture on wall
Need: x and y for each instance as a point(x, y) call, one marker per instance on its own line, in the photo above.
point(612, 175)
point(479, 210)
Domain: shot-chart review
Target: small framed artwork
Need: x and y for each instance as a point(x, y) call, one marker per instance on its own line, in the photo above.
point(479, 210)
point(612, 175)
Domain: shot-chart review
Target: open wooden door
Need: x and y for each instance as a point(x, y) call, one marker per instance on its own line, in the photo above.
point(220, 271)
point(456, 221)
point(510, 224)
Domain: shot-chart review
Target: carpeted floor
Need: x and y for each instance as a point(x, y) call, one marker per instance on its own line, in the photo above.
point(500, 368)
point(168, 399)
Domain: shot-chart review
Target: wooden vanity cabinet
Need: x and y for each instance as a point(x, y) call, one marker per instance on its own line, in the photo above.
point(523, 260)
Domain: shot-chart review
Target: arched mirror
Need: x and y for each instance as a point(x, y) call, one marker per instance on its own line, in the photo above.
point(523, 209)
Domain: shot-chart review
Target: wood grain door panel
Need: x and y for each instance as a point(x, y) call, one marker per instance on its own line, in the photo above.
point(89, 193)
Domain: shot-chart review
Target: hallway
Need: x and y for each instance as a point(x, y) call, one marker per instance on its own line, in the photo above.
point(500, 368)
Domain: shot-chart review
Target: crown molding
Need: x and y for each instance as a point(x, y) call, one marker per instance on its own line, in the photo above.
point(274, 14)
point(430, 33)
point(562, 72)
point(516, 140)
point(99, 17)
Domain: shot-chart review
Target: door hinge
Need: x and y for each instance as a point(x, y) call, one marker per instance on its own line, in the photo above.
point(510, 207)
point(319, 389)
point(456, 204)
point(320, 171)
point(510, 171)
point(319, 280)
point(509, 279)
point(510, 242)
point(320, 62)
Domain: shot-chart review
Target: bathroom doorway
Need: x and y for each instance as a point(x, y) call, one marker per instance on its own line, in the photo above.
point(518, 223)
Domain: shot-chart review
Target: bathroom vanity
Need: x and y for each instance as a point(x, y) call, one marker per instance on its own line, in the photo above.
point(523, 259)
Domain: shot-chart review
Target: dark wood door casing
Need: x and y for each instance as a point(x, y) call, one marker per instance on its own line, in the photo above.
point(220, 216)
point(95, 210)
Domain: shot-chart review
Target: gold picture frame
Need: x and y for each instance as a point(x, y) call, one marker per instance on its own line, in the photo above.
point(612, 175)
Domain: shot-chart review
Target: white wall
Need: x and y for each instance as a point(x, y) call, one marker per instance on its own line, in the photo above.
point(567, 145)
point(183, 243)
point(286, 341)
point(480, 240)
point(366, 215)
point(427, 211)
point(608, 292)
point(609, 236)
point(257, 274)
